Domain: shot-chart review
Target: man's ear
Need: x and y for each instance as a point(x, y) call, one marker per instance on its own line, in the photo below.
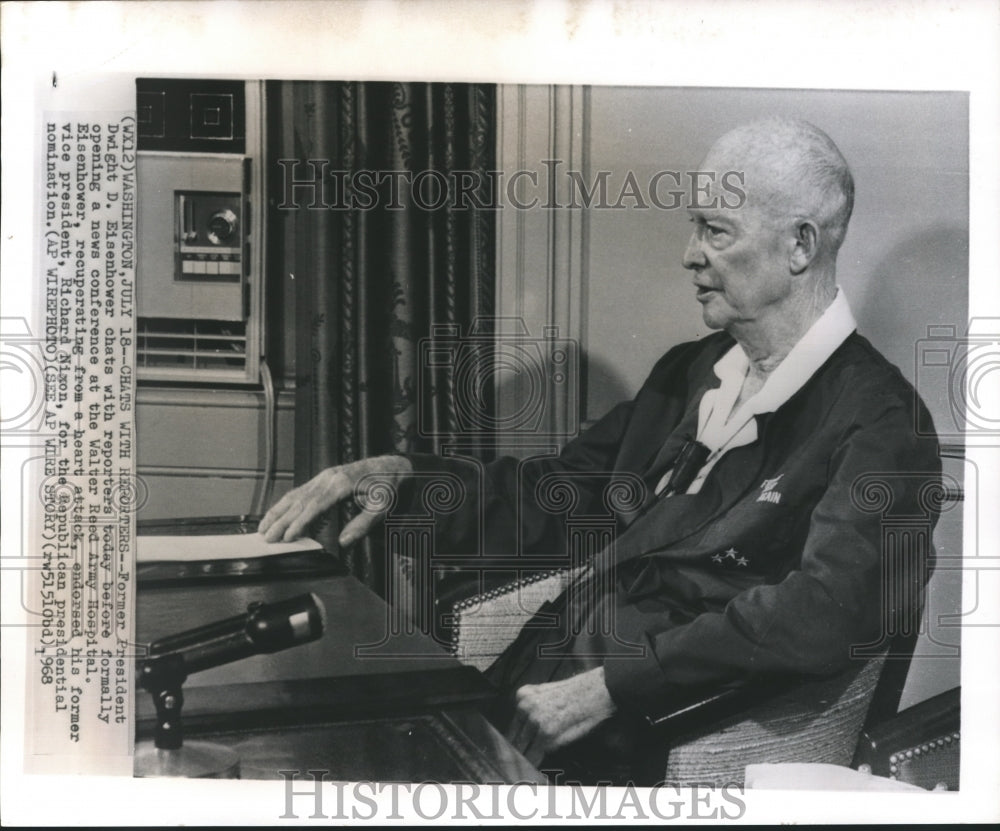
point(806, 245)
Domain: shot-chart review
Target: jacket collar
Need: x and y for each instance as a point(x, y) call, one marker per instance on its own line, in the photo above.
point(671, 519)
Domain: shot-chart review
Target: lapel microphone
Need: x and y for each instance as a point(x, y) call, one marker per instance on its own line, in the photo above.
point(689, 461)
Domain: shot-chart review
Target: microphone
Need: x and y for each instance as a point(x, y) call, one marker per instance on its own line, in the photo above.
point(265, 628)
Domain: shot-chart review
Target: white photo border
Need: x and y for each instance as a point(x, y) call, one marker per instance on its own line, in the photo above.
point(97, 49)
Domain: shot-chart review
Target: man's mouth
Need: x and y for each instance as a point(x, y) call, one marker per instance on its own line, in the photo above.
point(703, 292)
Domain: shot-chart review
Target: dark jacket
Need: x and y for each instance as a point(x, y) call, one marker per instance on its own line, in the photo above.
point(810, 540)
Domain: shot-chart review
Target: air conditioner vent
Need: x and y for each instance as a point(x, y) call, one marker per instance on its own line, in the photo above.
point(172, 348)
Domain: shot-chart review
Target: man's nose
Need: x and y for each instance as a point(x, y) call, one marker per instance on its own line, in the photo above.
point(694, 257)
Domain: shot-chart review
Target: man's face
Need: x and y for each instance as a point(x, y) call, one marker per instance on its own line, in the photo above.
point(740, 261)
point(739, 256)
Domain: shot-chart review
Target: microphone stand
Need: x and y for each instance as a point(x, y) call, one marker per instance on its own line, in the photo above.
point(163, 677)
point(263, 629)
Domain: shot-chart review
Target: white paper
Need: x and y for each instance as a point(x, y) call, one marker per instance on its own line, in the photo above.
point(190, 548)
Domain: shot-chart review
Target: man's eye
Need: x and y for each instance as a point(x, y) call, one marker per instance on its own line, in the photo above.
point(706, 228)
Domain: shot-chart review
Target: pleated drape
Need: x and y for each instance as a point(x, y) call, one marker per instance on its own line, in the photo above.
point(378, 270)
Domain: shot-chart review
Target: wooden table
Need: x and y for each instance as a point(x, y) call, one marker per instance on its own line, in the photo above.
point(366, 702)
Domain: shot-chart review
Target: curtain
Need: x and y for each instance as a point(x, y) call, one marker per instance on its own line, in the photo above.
point(382, 257)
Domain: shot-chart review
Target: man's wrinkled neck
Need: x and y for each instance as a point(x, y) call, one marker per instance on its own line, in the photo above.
point(769, 338)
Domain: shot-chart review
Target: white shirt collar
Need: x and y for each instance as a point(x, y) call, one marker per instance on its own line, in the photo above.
point(721, 434)
point(819, 342)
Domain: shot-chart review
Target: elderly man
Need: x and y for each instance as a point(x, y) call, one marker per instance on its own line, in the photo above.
point(752, 556)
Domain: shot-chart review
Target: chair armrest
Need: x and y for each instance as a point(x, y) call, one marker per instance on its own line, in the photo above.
point(704, 710)
point(714, 735)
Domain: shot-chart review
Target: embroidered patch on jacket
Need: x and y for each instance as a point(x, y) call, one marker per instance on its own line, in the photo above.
point(730, 555)
point(767, 491)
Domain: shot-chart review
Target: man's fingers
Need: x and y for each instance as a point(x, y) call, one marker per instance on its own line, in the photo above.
point(524, 726)
point(522, 734)
point(536, 749)
point(570, 735)
point(279, 524)
point(535, 735)
point(296, 528)
point(277, 509)
point(357, 528)
point(533, 740)
point(549, 716)
point(289, 518)
point(514, 728)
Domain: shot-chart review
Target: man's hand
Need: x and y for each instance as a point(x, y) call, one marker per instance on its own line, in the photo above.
point(552, 715)
point(288, 519)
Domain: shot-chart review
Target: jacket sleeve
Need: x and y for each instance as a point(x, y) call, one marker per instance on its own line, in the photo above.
point(498, 513)
point(806, 623)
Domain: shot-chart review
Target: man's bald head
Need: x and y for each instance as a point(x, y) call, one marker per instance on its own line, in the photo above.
point(793, 171)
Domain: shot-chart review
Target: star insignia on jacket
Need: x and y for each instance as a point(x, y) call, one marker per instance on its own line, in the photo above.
point(730, 553)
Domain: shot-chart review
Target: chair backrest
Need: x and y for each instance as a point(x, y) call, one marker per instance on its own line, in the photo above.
point(889, 690)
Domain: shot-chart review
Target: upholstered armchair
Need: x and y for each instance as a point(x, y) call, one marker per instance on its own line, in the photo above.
point(712, 739)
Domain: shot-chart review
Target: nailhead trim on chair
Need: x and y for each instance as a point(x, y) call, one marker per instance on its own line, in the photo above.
point(499, 627)
point(896, 759)
point(476, 599)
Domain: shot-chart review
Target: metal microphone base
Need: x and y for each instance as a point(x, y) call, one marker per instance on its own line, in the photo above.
point(199, 760)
